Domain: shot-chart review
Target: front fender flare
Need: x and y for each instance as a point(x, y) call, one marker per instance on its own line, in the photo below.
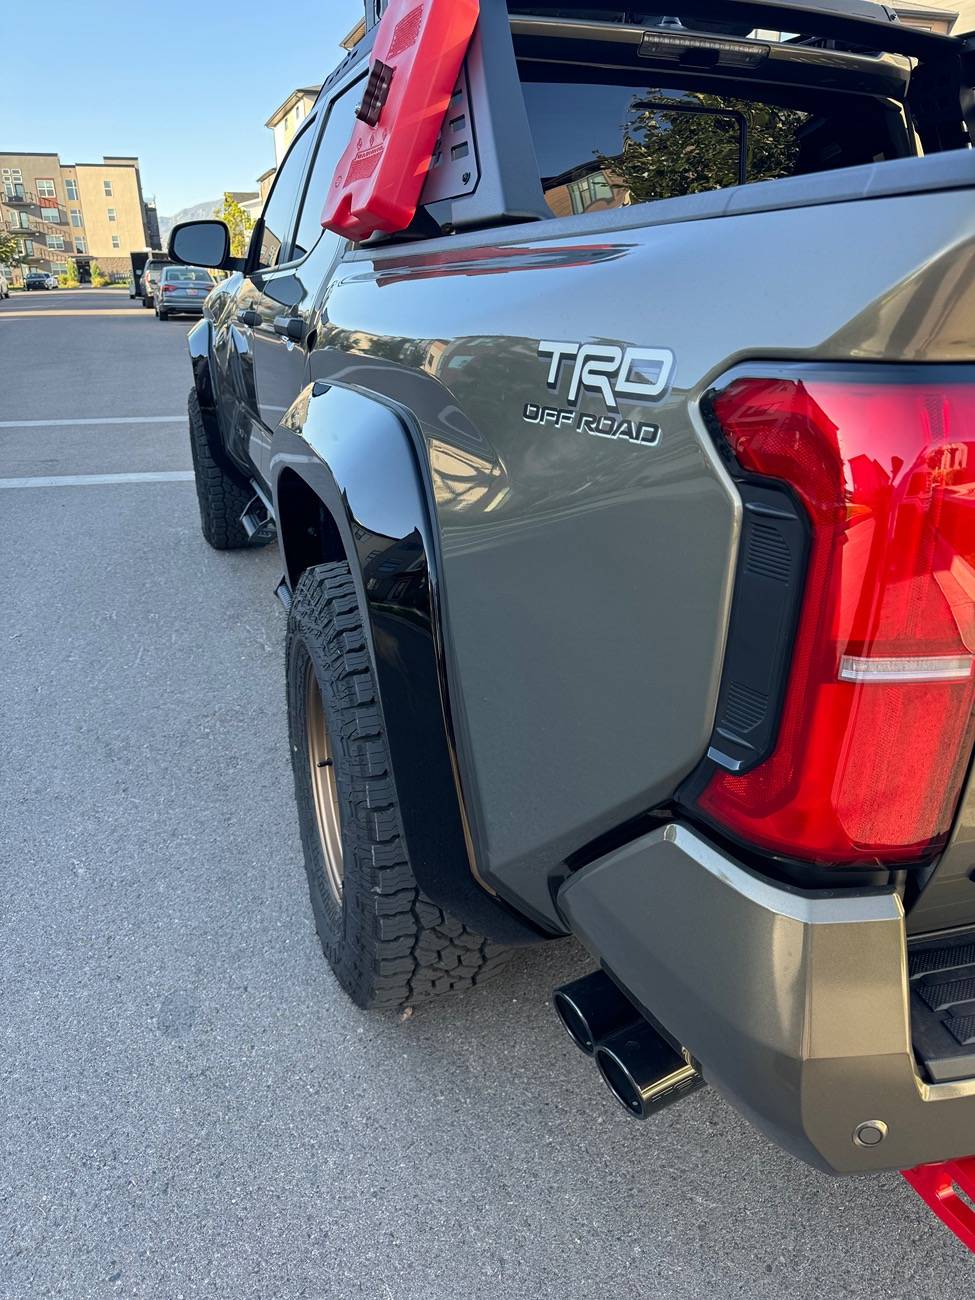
point(355, 455)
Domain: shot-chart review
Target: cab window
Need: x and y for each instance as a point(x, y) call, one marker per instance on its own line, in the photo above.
point(607, 144)
point(280, 206)
point(333, 144)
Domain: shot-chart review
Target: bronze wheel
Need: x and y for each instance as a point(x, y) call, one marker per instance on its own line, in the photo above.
point(324, 791)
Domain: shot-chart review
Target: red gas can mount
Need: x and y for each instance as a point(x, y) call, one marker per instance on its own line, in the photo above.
point(417, 57)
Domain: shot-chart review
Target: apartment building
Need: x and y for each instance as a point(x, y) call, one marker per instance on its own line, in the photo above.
point(88, 212)
point(285, 121)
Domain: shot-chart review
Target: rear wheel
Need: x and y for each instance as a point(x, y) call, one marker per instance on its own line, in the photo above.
point(222, 498)
point(386, 942)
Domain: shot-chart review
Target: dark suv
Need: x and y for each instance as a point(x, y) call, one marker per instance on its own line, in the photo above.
point(625, 505)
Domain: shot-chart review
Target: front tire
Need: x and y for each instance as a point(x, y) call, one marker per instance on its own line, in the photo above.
point(387, 943)
point(222, 498)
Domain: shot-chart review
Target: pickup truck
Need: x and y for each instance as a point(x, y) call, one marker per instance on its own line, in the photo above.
point(625, 496)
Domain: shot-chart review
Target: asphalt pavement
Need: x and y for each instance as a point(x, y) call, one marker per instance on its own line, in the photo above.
point(189, 1106)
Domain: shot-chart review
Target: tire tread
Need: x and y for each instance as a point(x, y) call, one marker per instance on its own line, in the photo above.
point(399, 947)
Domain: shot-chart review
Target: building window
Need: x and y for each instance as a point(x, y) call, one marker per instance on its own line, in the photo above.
point(108, 189)
point(71, 189)
point(51, 214)
point(112, 215)
point(59, 268)
point(56, 241)
point(116, 242)
point(79, 245)
point(45, 188)
point(27, 247)
point(11, 174)
point(76, 218)
point(23, 220)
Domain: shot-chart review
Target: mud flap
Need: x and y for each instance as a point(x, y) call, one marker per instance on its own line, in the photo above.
point(949, 1190)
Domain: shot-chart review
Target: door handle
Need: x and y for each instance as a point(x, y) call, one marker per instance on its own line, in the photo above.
point(250, 318)
point(292, 327)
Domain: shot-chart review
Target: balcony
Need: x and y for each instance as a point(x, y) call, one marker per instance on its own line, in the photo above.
point(33, 229)
point(26, 201)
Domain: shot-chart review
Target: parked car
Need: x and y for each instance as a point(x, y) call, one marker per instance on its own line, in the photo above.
point(625, 512)
point(150, 278)
point(4, 283)
point(182, 289)
point(39, 280)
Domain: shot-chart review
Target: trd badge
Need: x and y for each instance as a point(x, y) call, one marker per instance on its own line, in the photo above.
point(629, 374)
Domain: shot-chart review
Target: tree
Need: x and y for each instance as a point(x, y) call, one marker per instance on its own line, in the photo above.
point(239, 222)
point(9, 252)
point(98, 276)
point(71, 276)
point(674, 148)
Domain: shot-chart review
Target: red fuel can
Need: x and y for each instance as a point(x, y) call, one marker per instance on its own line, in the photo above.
point(417, 57)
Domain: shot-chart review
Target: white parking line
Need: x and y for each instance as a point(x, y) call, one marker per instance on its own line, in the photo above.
point(94, 480)
point(108, 419)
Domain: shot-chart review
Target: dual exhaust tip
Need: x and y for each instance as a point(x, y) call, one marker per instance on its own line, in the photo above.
point(641, 1069)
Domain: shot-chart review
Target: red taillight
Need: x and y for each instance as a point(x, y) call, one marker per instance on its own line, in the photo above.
point(877, 721)
point(169, 288)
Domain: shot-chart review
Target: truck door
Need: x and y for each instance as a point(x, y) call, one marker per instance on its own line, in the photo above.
point(271, 246)
point(293, 290)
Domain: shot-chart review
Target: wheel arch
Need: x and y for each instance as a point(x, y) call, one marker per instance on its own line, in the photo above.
point(346, 486)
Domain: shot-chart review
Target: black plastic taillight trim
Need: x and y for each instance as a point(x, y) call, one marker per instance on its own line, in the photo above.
point(773, 553)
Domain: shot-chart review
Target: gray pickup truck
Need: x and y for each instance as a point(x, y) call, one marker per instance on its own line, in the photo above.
point(626, 504)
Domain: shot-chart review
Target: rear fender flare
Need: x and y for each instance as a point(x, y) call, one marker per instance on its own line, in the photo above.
point(346, 486)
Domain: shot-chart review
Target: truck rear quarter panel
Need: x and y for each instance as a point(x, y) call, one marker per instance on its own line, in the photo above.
point(586, 580)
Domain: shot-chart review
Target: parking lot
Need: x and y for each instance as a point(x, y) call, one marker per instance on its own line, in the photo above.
point(189, 1106)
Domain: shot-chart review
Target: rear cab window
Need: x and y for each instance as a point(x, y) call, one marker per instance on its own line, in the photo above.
point(608, 141)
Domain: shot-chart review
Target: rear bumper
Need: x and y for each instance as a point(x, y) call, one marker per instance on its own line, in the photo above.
point(795, 1005)
point(169, 302)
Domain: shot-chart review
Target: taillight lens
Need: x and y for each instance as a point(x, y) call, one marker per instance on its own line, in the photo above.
point(877, 720)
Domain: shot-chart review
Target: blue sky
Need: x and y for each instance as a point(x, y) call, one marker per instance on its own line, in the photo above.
point(87, 88)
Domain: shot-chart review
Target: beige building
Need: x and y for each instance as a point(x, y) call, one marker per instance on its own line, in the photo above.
point(958, 19)
point(285, 121)
point(87, 212)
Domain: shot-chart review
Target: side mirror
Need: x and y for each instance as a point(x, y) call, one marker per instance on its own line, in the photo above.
point(202, 243)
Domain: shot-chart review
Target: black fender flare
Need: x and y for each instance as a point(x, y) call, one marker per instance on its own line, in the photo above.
point(200, 344)
point(352, 457)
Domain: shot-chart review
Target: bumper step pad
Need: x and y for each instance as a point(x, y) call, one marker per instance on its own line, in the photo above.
point(942, 974)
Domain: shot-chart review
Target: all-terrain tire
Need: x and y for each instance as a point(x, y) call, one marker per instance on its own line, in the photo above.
point(222, 499)
point(387, 943)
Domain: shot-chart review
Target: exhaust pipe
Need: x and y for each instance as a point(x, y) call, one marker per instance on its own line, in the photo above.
point(643, 1072)
point(592, 1009)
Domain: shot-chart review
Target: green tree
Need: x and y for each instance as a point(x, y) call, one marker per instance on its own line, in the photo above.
point(9, 253)
point(238, 221)
point(671, 149)
point(98, 276)
point(71, 276)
